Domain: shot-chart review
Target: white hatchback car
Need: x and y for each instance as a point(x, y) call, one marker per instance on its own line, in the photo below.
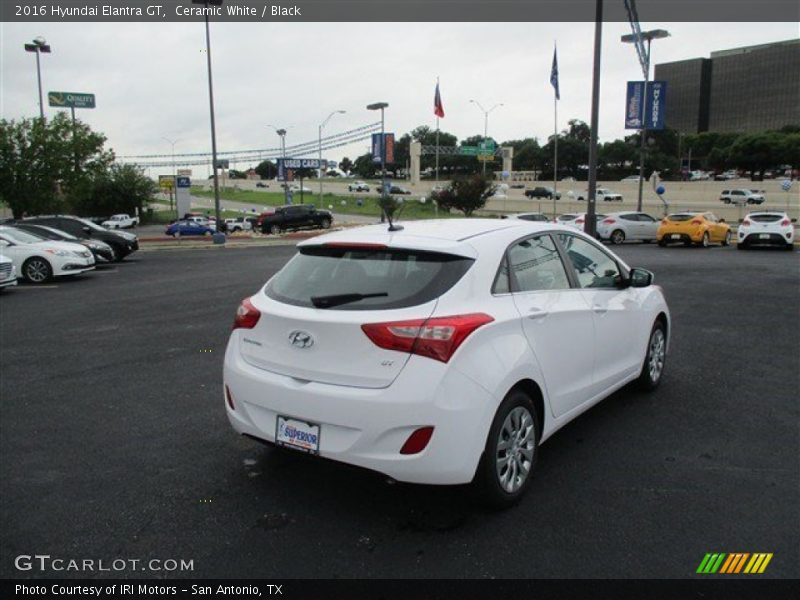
point(766, 229)
point(444, 353)
point(576, 220)
point(619, 227)
point(38, 259)
point(8, 272)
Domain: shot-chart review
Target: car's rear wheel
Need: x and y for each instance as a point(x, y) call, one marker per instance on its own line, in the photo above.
point(512, 447)
point(789, 247)
point(617, 236)
point(706, 241)
point(655, 358)
point(275, 229)
point(37, 270)
point(662, 242)
point(325, 223)
point(727, 240)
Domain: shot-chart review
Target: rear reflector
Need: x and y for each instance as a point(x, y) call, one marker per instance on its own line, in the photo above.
point(436, 338)
point(247, 315)
point(229, 398)
point(417, 441)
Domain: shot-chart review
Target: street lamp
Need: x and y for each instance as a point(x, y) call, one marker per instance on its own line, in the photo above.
point(39, 45)
point(381, 106)
point(632, 38)
point(282, 133)
point(174, 172)
point(485, 124)
point(206, 3)
point(319, 171)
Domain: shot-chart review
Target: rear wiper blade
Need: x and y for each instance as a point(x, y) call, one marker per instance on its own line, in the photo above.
point(338, 299)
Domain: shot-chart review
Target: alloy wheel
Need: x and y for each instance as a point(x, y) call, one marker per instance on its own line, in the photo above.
point(515, 448)
point(657, 353)
point(37, 271)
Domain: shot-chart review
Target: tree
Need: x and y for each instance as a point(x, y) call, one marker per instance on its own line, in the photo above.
point(579, 131)
point(120, 189)
point(266, 169)
point(756, 152)
point(466, 194)
point(528, 154)
point(364, 166)
point(346, 164)
point(44, 164)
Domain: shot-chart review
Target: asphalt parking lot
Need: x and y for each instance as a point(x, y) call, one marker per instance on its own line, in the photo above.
point(114, 442)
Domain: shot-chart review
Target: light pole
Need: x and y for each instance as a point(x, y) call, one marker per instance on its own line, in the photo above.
point(174, 172)
point(319, 171)
point(39, 45)
point(282, 133)
point(485, 125)
point(381, 106)
point(590, 224)
point(631, 38)
point(206, 3)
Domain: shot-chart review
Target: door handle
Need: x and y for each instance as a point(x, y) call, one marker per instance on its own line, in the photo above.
point(600, 310)
point(537, 313)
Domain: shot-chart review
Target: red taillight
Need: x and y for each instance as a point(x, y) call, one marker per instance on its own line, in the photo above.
point(697, 222)
point(786, 222)
point(436, 338)
point(746, 223)
point(417, 441)
point(229, 398)
point(247, 315)
point(609, 221)
point(578, 221)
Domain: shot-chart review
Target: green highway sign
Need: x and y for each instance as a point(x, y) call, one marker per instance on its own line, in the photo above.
point(469, 150)
point(484, 148)
point(70, 100)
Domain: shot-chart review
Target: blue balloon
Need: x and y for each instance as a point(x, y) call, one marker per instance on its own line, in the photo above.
point(660, 190)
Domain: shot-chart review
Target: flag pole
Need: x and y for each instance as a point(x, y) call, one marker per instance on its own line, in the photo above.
point(555, 143)
point(437, 140)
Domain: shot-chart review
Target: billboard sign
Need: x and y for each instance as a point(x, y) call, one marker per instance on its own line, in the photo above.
point(166, 182)
point(290, 164)
point(656, 102)
point(70, 100)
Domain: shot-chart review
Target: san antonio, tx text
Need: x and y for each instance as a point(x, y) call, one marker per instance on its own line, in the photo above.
point(141, 589)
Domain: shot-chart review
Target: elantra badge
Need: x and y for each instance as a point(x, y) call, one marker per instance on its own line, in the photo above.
point(301, 339)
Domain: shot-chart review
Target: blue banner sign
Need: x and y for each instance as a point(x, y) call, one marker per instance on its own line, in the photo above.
point(655, 105)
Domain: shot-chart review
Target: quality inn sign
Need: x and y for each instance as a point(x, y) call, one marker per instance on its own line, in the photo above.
point(70, 100)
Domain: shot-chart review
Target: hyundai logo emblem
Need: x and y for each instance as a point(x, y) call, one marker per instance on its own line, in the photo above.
point(301, 339)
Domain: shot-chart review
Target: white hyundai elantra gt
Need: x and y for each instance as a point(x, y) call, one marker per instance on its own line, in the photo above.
point(444, 353)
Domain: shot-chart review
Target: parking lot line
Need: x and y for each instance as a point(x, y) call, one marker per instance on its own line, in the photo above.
point(35, 287)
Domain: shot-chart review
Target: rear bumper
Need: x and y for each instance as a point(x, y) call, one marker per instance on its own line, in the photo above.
point(682, 237)
point(367, 427)
point(773, 239)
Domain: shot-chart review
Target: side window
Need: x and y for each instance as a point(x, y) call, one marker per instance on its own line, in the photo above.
point(535, 264)
point(629, 217)
point(593, 267)
point(501, 284)
point(646, 218)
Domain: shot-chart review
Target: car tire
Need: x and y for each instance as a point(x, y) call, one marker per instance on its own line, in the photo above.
point(706, 241)
point(789, 247)
point(325, 224)
point(727, 240)
point(662, 243)
point(37, 270)
point(275, 229)
point(741, 246)
point(497, 480)
point(206, 233)
point(617, 237)
point(655, 358)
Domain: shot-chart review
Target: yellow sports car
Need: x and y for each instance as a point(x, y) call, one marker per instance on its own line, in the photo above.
point(689, 228)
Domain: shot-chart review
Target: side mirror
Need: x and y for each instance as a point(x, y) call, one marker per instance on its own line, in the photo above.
point(640, 278)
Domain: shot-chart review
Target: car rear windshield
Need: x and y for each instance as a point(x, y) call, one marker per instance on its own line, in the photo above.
point(765, 218)
point(680, 217)
point(394, 278)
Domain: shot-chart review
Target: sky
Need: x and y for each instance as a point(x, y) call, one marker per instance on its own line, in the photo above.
point(150, 80)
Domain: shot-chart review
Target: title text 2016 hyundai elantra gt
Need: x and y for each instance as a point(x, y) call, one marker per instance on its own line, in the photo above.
point(444, 353)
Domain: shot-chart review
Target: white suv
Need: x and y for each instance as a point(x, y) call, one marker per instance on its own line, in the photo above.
point(741, 197)
point(444, 353)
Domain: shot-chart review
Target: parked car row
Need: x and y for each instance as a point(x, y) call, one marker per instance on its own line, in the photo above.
point(767, 228)
point(43, 247)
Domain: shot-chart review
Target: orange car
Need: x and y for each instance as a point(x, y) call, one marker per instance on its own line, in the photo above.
point(689, 228)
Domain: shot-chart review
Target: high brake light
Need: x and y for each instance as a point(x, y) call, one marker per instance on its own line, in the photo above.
point(247, 315)
point(786, 222)
point(437, 338)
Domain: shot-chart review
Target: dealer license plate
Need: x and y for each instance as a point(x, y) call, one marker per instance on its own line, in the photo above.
point(763, 236)
point(676, 236)
point(297, 434)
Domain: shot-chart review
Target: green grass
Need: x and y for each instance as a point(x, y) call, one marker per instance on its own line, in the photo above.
point(412, 209)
